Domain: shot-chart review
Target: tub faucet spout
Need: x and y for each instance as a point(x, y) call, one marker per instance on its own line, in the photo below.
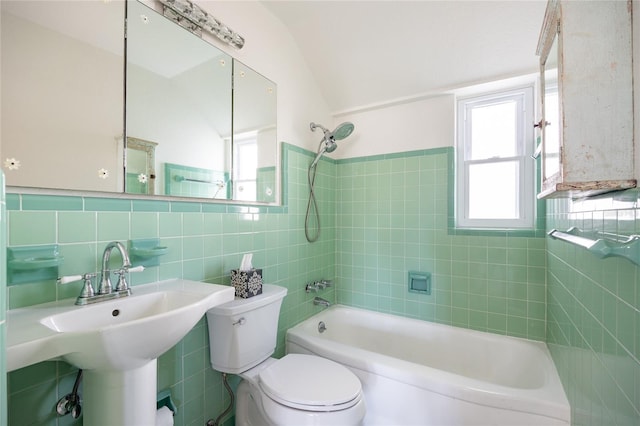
point(321, 302)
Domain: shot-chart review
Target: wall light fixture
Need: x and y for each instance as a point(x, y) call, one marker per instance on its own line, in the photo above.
point(190, 16)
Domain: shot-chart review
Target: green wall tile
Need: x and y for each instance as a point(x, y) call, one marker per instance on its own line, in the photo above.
point(195, 241)
point(50, 202)
point(590, 322)
point(80, 258)
point(33, 406)
point(481, 281)
point(107, 204)
point(13, 201)
point(75, 227)
point(113, 226)
point(185, 207)
point(3, 375)
point(144, 225)
point(28, 294)
point(192, 223)
point(150, 206)
point(414, 207)
point(192, 248)
point(32, 228)
point(170, 225)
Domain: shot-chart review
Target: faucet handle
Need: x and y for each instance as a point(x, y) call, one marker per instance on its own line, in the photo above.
point(122, 281)
point(87, 288)
point(326, 283)
point(69, 279)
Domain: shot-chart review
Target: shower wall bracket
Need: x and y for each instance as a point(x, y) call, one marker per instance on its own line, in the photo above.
point(615, 245)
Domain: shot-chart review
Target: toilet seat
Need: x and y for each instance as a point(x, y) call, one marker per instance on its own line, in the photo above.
point(311, 383)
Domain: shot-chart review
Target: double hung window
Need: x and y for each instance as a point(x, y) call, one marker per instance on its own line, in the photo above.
point(495, 170)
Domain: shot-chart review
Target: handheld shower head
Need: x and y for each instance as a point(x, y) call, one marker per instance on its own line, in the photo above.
point(328, 142)
point(342, 131)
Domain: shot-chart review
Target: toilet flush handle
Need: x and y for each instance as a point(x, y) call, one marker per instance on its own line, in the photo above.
point(241, 321)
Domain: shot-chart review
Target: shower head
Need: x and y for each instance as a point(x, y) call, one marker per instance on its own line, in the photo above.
point(342, 131)
point(328, 142)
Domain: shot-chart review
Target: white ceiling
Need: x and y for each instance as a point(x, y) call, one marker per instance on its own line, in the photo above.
point(364, 53)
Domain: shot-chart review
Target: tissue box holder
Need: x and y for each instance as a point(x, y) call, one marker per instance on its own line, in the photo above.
point(247, 283)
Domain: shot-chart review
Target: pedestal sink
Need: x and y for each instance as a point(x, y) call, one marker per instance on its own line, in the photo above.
point(115, 342)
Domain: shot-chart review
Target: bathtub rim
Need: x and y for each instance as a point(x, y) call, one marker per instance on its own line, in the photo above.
point(549, 400)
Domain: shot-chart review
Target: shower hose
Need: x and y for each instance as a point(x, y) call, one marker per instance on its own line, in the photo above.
point(312, 205)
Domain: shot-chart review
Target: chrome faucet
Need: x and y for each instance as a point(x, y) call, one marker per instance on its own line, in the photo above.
point(105, 275)
point(104, 292)
point(319, 301)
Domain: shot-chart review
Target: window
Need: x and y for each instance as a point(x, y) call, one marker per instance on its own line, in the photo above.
point(495, 171)
point(245, 162)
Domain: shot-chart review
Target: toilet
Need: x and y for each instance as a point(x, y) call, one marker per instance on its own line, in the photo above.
point(294, 390)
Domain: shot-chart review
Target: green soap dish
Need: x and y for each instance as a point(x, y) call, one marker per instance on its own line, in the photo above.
point(146, 252)
point(35, 263)
point(149, 252)
point(27, 264)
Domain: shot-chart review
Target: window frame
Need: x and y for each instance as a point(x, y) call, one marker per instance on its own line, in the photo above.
point(238, 180)
point(526, 191)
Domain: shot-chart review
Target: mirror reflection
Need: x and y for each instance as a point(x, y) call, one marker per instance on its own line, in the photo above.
point(179, 92)
point(62, 94)
point(254, 136)
point(179, 97)
point(188, 133)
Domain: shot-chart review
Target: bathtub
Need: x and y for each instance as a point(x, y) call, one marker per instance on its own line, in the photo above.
point(420, 373)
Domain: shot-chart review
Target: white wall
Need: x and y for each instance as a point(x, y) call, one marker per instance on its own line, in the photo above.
point(421, 124)
point(270, 50)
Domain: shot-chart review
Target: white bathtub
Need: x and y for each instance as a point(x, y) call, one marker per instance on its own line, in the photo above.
point(420, 373)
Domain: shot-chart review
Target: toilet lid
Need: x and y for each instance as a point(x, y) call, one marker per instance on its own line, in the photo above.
point(311, 383)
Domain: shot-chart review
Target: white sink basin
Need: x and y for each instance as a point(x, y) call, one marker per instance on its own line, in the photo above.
point(119, 334)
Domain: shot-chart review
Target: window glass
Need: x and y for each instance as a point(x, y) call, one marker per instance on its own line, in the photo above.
point(494, 130)
point(493, 191)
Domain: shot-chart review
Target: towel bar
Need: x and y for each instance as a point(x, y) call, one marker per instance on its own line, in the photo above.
point(628, 248)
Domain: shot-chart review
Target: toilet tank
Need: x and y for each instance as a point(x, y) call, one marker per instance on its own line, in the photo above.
point(243, 332)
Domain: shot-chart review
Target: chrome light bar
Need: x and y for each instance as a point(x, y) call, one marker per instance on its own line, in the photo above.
point(190, 16)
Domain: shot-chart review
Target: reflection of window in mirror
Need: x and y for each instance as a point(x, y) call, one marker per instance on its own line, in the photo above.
point(245, 162)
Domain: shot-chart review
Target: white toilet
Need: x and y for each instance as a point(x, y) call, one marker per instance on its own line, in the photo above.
point(294, 390)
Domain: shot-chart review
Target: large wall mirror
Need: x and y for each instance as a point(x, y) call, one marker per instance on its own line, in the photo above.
point(198, 122)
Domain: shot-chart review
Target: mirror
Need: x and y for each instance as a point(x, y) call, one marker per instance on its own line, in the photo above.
point(63, 99)
point(62, 94)
point(140, 176)
point(179, 96)
point(254, 136)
